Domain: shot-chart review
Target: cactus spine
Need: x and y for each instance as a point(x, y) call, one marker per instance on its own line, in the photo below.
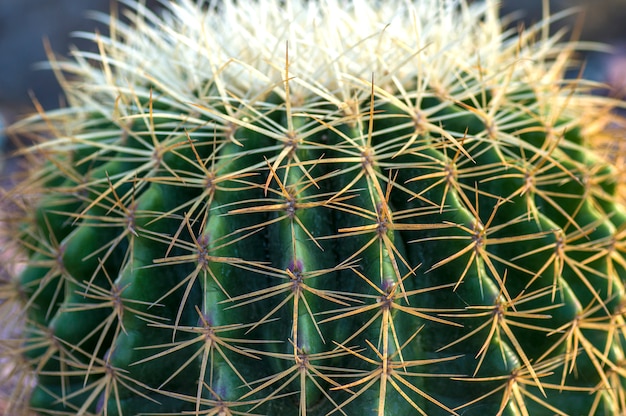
point(319, 208)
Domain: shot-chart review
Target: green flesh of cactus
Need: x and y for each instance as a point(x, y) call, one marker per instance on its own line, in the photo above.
point(409, 220)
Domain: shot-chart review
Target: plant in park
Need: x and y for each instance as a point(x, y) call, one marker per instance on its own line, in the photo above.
point(317, 208)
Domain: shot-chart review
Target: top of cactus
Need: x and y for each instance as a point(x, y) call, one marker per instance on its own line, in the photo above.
point(333, 54)
point(329, 51)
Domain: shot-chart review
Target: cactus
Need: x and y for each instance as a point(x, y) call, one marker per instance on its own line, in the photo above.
point(317, 208)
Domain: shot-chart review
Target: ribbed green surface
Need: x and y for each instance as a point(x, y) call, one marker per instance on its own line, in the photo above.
point(268, 274)
point(414, 255)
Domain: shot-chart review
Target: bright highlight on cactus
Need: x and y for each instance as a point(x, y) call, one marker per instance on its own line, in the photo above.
point(312, 208)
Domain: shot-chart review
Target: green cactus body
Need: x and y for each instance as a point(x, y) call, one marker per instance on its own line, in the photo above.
point(307, 208)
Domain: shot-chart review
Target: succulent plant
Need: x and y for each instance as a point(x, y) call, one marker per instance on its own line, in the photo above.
point(316, 208)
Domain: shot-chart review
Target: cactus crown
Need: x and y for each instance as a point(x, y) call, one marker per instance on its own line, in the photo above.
point(321, 208)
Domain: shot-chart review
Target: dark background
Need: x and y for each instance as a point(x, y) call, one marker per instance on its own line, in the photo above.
point(25, 23)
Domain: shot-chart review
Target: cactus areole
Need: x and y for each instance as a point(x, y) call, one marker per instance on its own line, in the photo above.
point(322, 207)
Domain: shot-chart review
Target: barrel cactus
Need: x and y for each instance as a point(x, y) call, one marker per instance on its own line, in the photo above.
point(317, 207)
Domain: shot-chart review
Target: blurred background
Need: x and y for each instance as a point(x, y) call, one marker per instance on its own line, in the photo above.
point(24, 24)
